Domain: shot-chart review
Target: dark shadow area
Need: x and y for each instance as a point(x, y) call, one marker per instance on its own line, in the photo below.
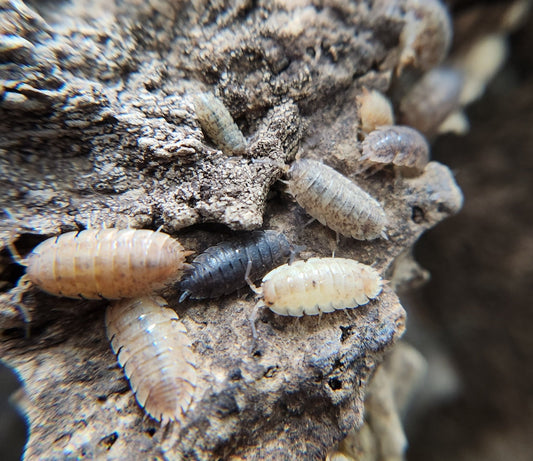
point(12, 425)
point(479, 301)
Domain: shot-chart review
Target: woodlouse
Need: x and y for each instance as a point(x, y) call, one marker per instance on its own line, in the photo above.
point(336, 201)
point(153, 348)
point(221, 269)
point(401, 146)
point(218, 124)
point(374, 110)
point(431, 100)
point(105, 263)
point(317, 286)
point(426, 36)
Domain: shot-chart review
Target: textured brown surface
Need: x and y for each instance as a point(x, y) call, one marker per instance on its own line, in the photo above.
point(100, 129)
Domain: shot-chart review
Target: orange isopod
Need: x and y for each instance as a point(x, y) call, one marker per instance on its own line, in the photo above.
point(105, 263)
point(155, 352)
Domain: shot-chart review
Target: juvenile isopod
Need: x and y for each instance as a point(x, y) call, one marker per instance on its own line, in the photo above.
point(221, 269)
point(155, 352)
point(105, 263)
point(375, 110)
point(426, 36)
point(401, 146)
point(218, 124)
point(317, 286)
point(335, 201)
point(432, 99)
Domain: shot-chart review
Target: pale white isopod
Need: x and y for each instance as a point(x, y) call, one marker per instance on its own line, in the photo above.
point(319, 285)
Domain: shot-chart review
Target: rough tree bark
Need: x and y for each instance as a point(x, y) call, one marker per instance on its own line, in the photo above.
point(98, 128)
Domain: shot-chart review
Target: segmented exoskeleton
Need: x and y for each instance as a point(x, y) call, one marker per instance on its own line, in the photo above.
point(155, 352)
point(221, 269)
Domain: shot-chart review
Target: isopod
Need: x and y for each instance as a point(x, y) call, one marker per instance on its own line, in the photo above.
point(105, 263)
point(426, 36)
point(218, 124)
point(319, 285)
point(336, 201)
point(221, 269)
point(401, 146)
point(153, 348)
point(375, 110)
point(432, 99)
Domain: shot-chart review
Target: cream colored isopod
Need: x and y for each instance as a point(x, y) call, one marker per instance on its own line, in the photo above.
point(155, 352)
point(319, 285)
point(316, 286)
point(105, 263)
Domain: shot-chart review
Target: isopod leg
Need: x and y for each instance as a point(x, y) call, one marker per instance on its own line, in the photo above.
point(256, 290)
point(308, 223)
point(16, 299)
point(14, 252)
point(295, 250)
point(253, 319)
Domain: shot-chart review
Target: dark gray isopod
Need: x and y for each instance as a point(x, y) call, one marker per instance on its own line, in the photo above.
point(221, 269)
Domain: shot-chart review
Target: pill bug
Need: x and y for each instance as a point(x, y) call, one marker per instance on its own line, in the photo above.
point(105, 263)
point(221, 269)
point(336, 201)
point(153, 348)
point(218, 124)
point(319, 285)
point(401, 146)
point(374, 110)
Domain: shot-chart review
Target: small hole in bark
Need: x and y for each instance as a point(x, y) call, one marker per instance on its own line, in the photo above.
point(271, 371)
point(346, 333)
point(102, 398)
point(257, 353)
point(442, 208)
point(109, 440)
point(151, 431)
point(417, 215)
point(335, 384)
point(235, 374)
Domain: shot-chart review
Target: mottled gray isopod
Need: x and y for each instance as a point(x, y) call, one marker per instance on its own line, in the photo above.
point(221, 269)
point(336, 201)
point(429, 102)
point(218, 124)
point(155, 352)
point(401, 146)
